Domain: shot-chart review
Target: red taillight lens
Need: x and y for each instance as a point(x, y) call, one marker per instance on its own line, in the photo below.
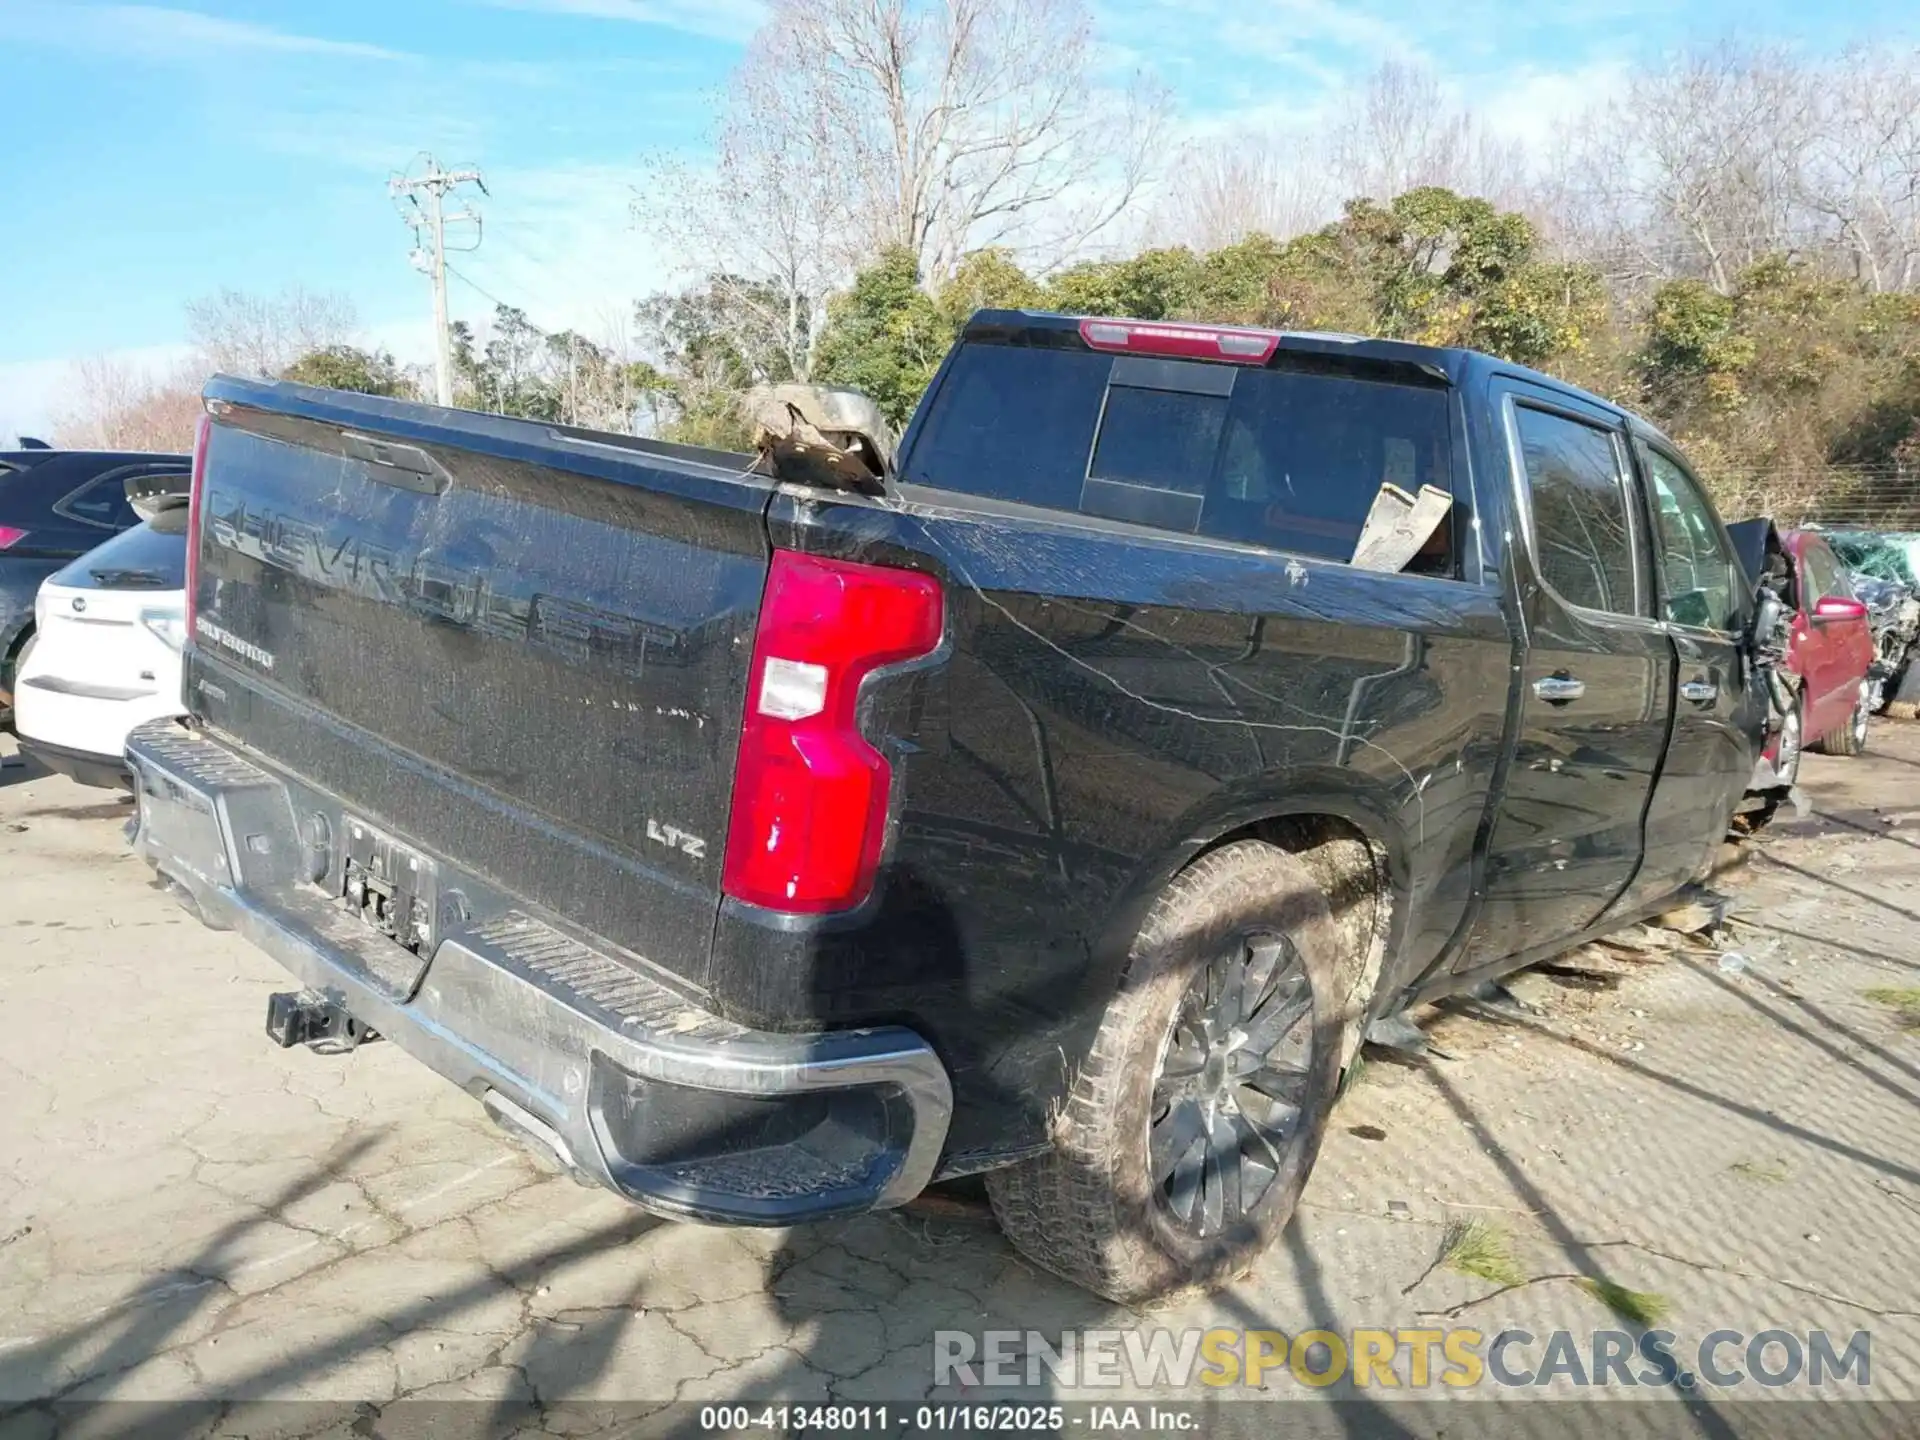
point(198, 486)
point(809, 793)
point(10, 537)
point(1188, 342)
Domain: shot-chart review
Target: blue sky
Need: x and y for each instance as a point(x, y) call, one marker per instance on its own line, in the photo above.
point(152, 153)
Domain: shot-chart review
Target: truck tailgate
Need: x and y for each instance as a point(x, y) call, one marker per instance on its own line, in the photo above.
point(489, 639)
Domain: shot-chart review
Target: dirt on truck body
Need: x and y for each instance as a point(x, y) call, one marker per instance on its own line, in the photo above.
point(1064, 812)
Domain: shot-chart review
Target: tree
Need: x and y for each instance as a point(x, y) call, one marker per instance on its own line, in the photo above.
point(936, 127)
point(1696, 168)
point(113, 406)
point(886, 336)
point(345, 367)
point(987, 280)
point(508, 375)
point(1861, 165)
point(711, 344)
point(260, 336)
point(769, 222)
point(1798, 386)
point(1153, 285)
point(1229, 187)
point(560, 377)
point(1398, 133)
point(1454, 270)
point(593, 387)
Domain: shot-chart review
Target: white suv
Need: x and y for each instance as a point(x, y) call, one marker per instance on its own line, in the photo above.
point(105, 654)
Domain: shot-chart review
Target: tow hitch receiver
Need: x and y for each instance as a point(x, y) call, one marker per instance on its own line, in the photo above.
point(304, 1018)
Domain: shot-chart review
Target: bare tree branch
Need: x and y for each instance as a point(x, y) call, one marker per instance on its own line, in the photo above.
point(941, 126)
point(1228, 187)
point(245, 334)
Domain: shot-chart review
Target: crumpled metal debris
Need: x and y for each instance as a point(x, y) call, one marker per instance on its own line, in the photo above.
point(822, 435)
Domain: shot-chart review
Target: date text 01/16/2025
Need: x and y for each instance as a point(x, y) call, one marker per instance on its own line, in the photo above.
point(944, 1419)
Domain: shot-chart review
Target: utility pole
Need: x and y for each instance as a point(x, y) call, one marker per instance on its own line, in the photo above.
point(430, 222)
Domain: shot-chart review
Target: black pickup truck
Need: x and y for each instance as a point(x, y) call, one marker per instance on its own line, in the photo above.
point(1069, 810)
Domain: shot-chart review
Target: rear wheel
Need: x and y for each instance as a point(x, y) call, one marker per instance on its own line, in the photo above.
point(1191, 1129)
point(1850, 738)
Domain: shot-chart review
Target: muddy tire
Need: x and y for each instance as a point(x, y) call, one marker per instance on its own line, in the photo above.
point(1190, 1130)
point(1850, 738)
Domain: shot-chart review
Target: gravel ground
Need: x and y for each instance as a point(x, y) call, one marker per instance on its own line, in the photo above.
point(189, 1214)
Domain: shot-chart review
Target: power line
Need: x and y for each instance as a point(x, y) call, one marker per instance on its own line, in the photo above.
point(475, 285)
point(430, 222)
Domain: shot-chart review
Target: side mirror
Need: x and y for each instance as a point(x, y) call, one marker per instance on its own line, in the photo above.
point(1839, 607)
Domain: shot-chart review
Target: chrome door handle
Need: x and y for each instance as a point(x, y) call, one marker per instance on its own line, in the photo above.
point(1558, 689)
point(1698, 691)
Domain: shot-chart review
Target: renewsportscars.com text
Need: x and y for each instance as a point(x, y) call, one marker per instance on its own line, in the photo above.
point(1412, 1358)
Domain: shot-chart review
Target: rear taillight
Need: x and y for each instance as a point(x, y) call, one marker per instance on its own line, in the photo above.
point(198, 487)
point(810, 793)
point(10, 537)
point(1188, 342)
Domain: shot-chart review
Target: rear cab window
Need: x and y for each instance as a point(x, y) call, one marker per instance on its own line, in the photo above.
point(1289, 457)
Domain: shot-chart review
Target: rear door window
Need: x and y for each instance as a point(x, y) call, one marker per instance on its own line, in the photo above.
point(1290, 459)
point(102, 501)
point(1582, 534)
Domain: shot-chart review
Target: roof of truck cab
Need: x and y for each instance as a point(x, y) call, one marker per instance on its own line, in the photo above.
point(1456, 364)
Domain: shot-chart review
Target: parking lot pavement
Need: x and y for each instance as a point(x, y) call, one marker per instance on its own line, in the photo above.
point(1714, 1135)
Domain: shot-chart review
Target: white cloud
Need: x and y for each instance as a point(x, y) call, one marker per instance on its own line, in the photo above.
point(1226, 45)
point(161, 33)
point(1532, 105)
point(716, 19)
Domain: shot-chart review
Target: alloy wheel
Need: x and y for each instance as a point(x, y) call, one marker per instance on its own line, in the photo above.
point(1230, 1093)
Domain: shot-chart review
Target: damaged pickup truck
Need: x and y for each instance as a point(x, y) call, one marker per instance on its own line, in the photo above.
point(1063, 804)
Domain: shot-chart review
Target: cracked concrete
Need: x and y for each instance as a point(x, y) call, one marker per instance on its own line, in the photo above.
point(187, 1214)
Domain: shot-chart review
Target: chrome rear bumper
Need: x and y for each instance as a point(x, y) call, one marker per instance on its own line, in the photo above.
point(623, 1080)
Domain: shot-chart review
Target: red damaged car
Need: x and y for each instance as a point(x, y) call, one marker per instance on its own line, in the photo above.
point(1829, 654)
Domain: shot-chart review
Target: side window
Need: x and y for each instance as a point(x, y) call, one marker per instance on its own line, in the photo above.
point(1700, 582)
point(101, 501)
point(1582, 536)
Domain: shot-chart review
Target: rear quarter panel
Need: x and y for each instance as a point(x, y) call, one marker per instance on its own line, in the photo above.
point(1112, 701)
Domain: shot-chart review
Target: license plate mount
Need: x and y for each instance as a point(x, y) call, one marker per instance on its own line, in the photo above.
point(390, 887)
